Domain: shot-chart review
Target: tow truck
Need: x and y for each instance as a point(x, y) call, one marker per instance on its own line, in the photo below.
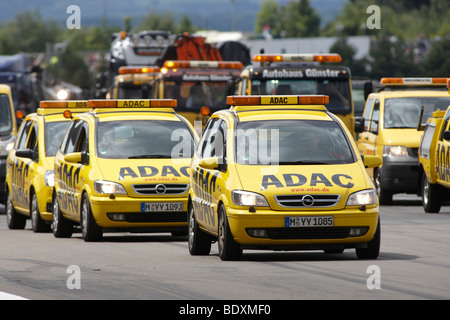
point(434, 159)
point(201, 87)
point(300, 74)
point(134, 82)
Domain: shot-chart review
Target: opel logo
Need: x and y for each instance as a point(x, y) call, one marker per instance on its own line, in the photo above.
point(308, 201)
point(160, 189)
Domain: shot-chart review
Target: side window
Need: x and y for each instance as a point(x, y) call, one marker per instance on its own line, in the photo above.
point(72, 139)
point(212, 140)
point(62, 148)
point(83, 145)
point(23, 135)
point(375, 116)
point(444, 127)
point(32, 137)
point(368, 113)
point(206, 132)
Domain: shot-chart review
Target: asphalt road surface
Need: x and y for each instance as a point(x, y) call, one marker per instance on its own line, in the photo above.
point(414, 263)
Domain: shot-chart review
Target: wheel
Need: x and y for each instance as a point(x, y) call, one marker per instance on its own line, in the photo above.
point(199, 242)
point(37, 223)
point(62, 228)
point(373, 246)
point(384, 196)
point(90, 230)
point(431, 196)
point(13, 219)
point(228, 248)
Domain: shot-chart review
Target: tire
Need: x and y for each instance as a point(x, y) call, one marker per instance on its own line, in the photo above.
point(431, 196)
point(14, 220)
point(37, 223)
point(62, 228)
point(228, 248)
point(90, 230)
point(373, 246)
point(384, 196)
point(199, 242)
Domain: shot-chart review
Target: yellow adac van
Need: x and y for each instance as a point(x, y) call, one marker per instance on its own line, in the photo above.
point(434, 159)
point(8, 132)
point(29, 177)
point(124, 166)
point(134, 82)
point(281, 173)
point(388, 129)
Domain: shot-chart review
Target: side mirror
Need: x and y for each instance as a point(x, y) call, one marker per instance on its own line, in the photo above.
point(372, 161)
point(24, 153)
point(210, 163)
point(74, 157)
point(359, 124)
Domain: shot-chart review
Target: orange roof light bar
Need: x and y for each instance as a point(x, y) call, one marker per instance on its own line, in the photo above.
point(277, 100)
point(203, 64)
point(414, 81)
point(310, 57)
point(134, 70)
point(63, 104)
point(133, 104)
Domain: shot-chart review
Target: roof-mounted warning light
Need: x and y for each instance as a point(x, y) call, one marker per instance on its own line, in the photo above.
point(310, 57)
point(47, 104)
point(203, 64)
point(414, 81)
point(138, 70)
point(277, 100)
point(133, 103)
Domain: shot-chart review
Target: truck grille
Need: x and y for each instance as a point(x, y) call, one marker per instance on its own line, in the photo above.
point(308, 200)
point(160, 188)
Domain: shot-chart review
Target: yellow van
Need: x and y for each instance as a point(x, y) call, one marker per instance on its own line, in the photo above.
point(389, 129)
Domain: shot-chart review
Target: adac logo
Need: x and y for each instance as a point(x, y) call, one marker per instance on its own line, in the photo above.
point(316, 179)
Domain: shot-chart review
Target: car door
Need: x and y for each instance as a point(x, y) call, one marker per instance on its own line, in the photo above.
point(68, 173)
point(368, 138)
point(442, 154)
point(211, 182)
point(23, 167)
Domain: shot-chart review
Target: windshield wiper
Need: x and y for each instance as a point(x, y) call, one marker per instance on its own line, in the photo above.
point(150, 156)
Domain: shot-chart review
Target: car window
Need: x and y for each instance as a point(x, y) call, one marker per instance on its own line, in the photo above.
point(54, 132)
point(288, 142)
point(23, 134)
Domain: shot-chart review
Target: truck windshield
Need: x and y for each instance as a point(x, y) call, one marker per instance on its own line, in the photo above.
point(5, 116)
point(405, 112)
point(291, 142)
point(192, 96)
point(337, 89)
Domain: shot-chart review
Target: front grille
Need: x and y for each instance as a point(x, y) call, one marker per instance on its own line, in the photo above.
point(308, 201)
point(309, 233)
point(160, 188)
point(154, 216)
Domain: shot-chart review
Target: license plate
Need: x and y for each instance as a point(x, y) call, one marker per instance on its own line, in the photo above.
point(314, 221)
point(161, 206)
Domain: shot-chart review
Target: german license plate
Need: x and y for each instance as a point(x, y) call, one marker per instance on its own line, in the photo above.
point(161, 206)
point(313, 221)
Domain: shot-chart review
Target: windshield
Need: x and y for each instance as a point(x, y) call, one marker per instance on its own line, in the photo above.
point(405, 112)
point(288, 142)
point(5, 115)
point(192, 96)
point(337, 89)
point(134, 139)
point(54, 132)
point(128, 90)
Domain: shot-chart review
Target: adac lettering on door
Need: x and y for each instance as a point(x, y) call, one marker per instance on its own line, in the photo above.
point(443, 162)
point(20, 182)
point(70, 177)
point(204, 186)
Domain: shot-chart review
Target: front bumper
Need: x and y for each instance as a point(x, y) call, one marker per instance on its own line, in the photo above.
point(123, 212)
point(400, 174)
point(278, 236)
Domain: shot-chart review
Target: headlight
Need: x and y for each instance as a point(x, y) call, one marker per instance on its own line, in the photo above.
point(249, 199)
point(361, 198)
point(395, 151)
point(9, 146)
point(49, 178)
point(108, 187)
